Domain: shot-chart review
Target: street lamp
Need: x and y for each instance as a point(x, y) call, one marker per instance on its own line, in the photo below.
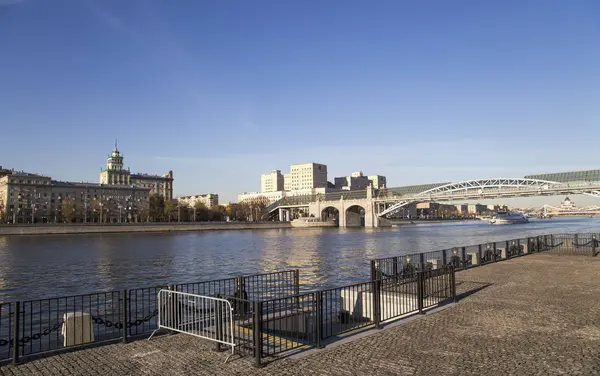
point(84, 194)
point(101, 204)
point(120, 207)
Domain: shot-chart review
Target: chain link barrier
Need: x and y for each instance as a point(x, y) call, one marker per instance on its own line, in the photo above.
point(96, 320)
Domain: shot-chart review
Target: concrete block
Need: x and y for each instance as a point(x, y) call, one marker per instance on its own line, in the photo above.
point(77, 328)
point(474, 258)
point(436, 263)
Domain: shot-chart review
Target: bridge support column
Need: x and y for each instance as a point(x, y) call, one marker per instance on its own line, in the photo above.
point(342, 214)
point(281, 219)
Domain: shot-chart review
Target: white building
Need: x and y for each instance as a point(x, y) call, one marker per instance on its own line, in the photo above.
point(378, 181)
point(209, 200)
point(271, 182)
point(306, 176)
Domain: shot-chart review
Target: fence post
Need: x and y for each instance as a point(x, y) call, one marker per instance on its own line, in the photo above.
point(124, 316)
point(319, 318)
point(464, 257)
point(15, 339)
point(495, 250)
point(422, 261)
point(593, 244)
point(453, 283)
point(218, 324)
point(373, 271)
point(257, 326)
point(420, 291)
point(376, 290)
point(395, 266)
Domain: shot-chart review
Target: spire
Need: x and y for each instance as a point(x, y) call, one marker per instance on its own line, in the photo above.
point(116, 149)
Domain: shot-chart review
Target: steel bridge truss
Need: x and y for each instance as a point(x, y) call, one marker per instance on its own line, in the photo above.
point(491, 188)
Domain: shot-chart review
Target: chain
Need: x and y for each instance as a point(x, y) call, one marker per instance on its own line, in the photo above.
point(96, 320)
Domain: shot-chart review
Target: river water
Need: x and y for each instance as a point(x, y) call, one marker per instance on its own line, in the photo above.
point(44, 266)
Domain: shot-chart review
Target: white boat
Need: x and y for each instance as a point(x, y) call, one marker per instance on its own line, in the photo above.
point(508, 218)
point(312, 222)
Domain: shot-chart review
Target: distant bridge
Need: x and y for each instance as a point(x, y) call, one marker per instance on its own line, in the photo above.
point(374, 206)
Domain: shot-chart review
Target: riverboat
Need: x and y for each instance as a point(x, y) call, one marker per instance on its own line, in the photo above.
point(312, 222)
point(508, 218)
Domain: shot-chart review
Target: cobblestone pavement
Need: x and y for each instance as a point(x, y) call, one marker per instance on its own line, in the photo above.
point(540, 316)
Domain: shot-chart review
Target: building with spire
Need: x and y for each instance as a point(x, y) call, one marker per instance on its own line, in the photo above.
point(115, 173)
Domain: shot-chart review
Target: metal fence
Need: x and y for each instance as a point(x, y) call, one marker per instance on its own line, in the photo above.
point(205, 317)
point(481, 254)
point(48, 325)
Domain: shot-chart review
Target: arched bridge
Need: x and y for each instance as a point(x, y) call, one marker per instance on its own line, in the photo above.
point(378, 204)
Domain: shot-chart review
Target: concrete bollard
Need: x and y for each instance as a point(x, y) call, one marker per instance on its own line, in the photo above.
point(503, 253)
point(435, 263)
point(77, 328)
point(474, 258)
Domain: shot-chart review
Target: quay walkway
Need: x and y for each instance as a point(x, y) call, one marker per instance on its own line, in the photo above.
point(534, 315)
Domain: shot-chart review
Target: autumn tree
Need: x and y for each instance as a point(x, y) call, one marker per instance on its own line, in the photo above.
point(69, 210)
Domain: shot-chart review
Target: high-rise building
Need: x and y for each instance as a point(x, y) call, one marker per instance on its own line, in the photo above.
point(116, 174)
point(306, 176)
point(272, 182)
point(357, 180)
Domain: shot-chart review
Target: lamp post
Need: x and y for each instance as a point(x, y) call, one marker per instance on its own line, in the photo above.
point(33, 204)
point(19, 197)
point(178, 213)
point(194, 213)
point(120, 207)
point(84, 194)
point(58, 208)
point(101, 204)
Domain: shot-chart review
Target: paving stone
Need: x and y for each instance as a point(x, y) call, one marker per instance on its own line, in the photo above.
point(538, 315)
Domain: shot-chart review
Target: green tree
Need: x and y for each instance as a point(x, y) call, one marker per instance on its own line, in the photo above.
point(202, 212)
point(170, 210)
point(156, 210)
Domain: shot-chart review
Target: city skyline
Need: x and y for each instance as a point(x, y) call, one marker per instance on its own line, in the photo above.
point(420, 93)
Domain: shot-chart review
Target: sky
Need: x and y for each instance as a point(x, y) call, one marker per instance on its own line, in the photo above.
point(222, 91)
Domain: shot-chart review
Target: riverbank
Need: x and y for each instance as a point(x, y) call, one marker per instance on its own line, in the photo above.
point(507, 321)
point(50, 228)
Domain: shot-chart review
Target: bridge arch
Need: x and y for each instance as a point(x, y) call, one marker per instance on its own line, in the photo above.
point(355, 216)
point(329, 213)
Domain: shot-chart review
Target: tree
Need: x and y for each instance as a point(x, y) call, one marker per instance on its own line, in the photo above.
point(170, 208)
point(2, 213)
point(156, 210)
point(69, 210)
point(202, 212)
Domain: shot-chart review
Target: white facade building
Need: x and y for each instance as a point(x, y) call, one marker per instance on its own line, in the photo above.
point(306, 176)
point(272, 182)
point(209, 200)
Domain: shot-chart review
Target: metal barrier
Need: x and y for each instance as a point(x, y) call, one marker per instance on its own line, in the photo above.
point(201, 316)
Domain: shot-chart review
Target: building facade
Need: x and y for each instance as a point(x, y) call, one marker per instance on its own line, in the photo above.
point(32, 198)
point(357, 180)
point(209, 200)
point(116, 174)
point(306, 176)
point(378, 181)
point(272, 182)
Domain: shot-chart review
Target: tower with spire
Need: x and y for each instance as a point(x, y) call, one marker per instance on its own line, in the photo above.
point(115, 173)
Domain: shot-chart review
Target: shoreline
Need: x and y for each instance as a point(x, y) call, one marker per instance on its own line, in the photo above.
point(66, 228)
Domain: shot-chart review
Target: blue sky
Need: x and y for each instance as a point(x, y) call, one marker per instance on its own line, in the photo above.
point(222, 91)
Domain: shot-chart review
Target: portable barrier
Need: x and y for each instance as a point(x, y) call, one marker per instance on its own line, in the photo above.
point(201, 316)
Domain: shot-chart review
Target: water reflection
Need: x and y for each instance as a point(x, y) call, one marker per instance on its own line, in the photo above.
point(54, 265)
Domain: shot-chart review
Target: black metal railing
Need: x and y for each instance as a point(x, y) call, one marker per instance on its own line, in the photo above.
point(481, 254)
point(49, 325)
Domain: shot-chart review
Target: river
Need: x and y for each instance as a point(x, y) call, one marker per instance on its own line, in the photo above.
point(44, 266)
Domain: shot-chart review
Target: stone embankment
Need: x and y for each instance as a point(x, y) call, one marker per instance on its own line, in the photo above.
point(45, 229)
point(535, 315)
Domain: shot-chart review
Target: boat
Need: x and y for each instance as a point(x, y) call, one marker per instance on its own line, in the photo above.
point(508, 218)
point(312, 222)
